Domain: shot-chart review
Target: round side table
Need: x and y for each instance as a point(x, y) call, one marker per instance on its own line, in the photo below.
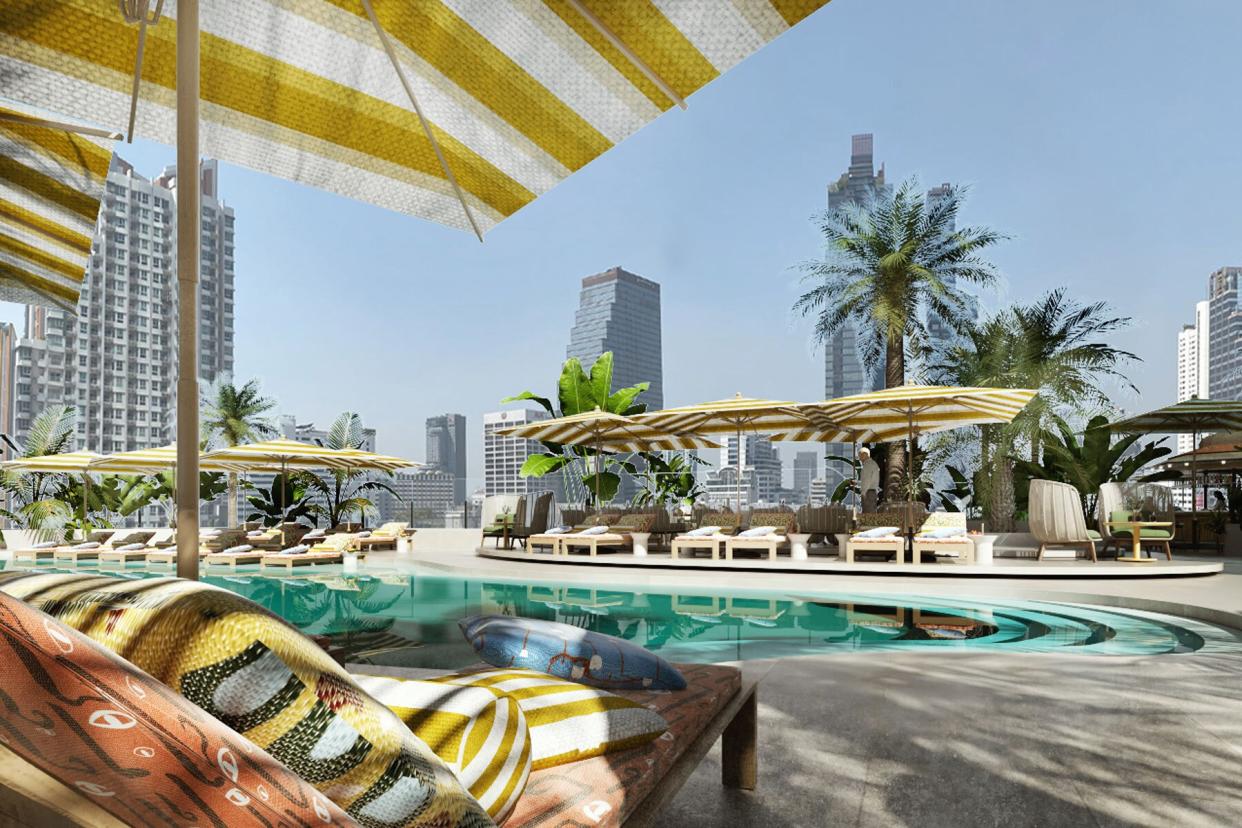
point(797, 546)
point(640, 542)
point(983, 548)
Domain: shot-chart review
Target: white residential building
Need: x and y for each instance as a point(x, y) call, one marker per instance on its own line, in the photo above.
point(1193, 363)
point(503, 456)
point(116, 359)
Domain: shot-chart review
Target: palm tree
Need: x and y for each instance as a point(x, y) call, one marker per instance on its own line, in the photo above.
point(1051, 345)
point(1060, 351)
point(346, 492)
point(235, 416)
point(36, 499)
point(888, 260)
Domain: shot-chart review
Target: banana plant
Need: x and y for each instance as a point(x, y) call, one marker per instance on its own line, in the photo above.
point(579, 392)
point(288, 499)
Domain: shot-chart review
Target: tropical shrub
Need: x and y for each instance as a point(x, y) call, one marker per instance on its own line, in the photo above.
point(344, 491)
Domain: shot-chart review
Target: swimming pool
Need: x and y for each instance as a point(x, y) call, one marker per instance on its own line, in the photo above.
point(410, 620)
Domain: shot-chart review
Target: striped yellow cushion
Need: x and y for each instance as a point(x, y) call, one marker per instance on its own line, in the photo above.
point(568, 721)
point(482, 736)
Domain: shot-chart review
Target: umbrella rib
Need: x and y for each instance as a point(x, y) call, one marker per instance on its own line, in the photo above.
point(94, 132)
point(638, 62)
point(422, 119)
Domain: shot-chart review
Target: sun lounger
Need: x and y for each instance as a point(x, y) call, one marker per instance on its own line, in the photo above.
point(330, 551)
point(691, 543)
point(619, 535)
point(233, 559)
point(782, 525)
point(889, 544)
point(41, 551)
point(385, 537)
point(943, 535)
point(212, 540)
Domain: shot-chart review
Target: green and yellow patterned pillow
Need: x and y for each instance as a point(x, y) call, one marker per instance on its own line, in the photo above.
point(267, 681)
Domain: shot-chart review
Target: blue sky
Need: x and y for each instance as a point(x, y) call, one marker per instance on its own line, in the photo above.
point(1104, 137)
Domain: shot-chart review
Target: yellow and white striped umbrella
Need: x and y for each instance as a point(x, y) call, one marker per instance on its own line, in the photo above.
point(51, 183)
point(146, 461)
point(607, 432)
point(281, 453)
point(735, 414)
point(379, 462)
point(68, 462)
point(899, 413)
point(516, 94)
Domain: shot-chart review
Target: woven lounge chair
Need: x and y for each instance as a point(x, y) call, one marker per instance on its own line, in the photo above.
point(111, 549)
point(1057, 520)
point(119, 555)
point(503, 524)
point(782, 523)
point(957, 548)
point(617, 537)
point(691, 544)
point(329, 551)
point(536, 523)
point(894, 544)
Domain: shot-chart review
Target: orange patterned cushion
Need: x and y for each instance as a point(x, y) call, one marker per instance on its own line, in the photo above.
point(130, 744)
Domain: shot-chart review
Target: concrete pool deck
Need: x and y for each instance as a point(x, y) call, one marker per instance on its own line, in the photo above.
point(917, 738)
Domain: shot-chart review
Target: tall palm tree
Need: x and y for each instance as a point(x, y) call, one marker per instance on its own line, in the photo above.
point(887, 261)
point(234, 416)
point(1061, 351)
point(1054, 345)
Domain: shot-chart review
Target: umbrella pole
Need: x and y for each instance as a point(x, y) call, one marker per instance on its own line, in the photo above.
point(598, 506)
point(188, 186)
point(1194, 485)
point(738, 477)
point(86, 496)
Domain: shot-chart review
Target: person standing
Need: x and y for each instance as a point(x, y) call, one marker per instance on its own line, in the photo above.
point(869, 480)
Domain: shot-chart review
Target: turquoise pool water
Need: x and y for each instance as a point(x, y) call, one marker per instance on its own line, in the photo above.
point(411, 620)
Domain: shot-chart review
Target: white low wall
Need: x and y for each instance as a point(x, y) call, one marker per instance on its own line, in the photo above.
point(449, 540)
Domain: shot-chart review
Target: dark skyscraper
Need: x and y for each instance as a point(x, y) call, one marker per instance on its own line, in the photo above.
point(1225, 335)
point(620, 312)
point(446, 450)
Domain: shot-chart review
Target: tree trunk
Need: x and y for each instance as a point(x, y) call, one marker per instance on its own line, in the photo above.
point(1002, 499)
point(232, 496)
point(895, 473)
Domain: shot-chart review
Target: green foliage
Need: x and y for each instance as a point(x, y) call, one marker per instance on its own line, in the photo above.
point(848, 486)
point(286, 501)
point(234, 415)
point(344, 492)
point(579, 392)
point(37, 498)
point(669, 481)
point(960, 495)
point(160, 490)
point(1099, 457)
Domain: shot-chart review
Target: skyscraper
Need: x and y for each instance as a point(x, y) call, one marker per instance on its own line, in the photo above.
point(844, 373)
point(1193, 367)
point(759, 462)
point(116, 360)
point(805, 469)
point(620, 312)
point(1225, 335)
point(503, 456)
point(446, 449)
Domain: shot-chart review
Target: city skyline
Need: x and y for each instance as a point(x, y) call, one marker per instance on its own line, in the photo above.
point(701, 201)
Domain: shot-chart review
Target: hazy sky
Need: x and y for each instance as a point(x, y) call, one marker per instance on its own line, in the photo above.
point(1104, 137)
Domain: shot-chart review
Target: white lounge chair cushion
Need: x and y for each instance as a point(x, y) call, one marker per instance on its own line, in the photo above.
point(237, 550)
point(365, 534)
point(209, 533)
point(702, 532)
point(300, 549)
point(594, 530)
point(944, 532)
point(46, 545)
point(87, 545)
point(758, 532)
point(131, 547)
point(257, 533)
point(878, 532)
point(559, 530)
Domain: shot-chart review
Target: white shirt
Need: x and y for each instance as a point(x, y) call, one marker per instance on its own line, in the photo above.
point(870, 475)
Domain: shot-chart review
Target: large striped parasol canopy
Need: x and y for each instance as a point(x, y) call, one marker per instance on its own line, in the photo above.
point(69, 462)
point(605, 431)
point(146, 461)
point(457, 111)
point(734, 415)
point(51, 182)
point(283, 454)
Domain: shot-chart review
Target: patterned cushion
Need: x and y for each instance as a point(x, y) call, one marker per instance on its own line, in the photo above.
point(267, 681)
point(130, 744)
point(481, 735)
point(568, 652)
point(568, 721)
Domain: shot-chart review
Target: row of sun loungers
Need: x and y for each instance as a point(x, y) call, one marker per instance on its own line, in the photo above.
point(274, 547)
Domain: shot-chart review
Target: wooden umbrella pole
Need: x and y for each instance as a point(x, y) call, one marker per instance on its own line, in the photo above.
point(188, 244)
point(86, 496)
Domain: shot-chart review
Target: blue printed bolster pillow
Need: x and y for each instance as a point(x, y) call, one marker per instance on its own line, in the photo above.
point(579, 655)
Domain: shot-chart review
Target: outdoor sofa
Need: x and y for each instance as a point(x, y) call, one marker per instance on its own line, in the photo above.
point(943, 535)
point(780, 526)
point(889, 544)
